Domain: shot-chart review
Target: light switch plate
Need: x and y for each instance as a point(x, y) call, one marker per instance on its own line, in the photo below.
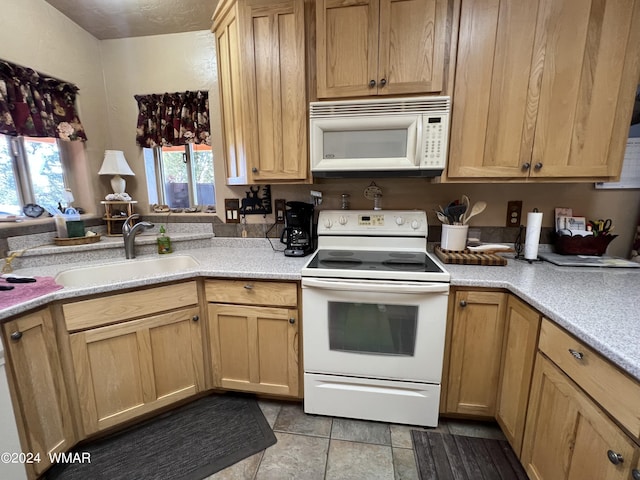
point(231, 210)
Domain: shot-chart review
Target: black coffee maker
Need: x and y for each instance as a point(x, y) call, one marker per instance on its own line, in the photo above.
point(298, 232)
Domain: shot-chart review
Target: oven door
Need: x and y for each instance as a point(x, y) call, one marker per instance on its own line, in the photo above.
point(374, 328)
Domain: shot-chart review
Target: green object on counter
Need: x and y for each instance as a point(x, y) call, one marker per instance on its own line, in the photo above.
point(75, 228)
point(164, 242)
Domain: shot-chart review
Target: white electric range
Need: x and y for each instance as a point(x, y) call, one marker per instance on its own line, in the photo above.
point(374, 309)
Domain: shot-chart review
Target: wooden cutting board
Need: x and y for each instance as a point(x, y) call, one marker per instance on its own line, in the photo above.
point(467, 257)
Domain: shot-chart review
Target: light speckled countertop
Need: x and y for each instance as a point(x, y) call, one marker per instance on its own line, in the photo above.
point(598, 305)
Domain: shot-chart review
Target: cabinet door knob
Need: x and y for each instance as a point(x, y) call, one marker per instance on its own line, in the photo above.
point(292, 320)
point(614, 457)
point(383, 82)
point(248, 286)
point(195, 318)
point(635, 474)
point(254, 169)
point(526, 166)
point(372, 83)
point(538, 166)
point(576, 354)
point(16, 335)
point(463, 303)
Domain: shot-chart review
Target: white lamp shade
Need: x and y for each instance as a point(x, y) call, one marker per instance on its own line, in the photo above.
point(115, 164)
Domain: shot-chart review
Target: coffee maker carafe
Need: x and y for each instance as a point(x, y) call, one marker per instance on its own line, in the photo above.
point(298, 232)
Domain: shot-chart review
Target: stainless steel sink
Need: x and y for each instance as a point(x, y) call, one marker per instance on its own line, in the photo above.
point(126, 270)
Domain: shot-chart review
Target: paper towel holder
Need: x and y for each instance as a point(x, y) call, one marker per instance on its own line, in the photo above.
point(519, 244)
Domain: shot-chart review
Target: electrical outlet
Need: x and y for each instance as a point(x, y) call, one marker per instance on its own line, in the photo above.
point(280, 206)
point(514, 213)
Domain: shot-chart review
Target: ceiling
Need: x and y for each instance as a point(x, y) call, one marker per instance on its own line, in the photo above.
point(137, 18)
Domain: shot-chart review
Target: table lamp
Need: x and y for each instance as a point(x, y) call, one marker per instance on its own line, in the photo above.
point(115, 164)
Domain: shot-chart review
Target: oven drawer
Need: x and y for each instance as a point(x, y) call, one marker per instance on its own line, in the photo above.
point(594, 374)
point(370, 399)
point(251, 292)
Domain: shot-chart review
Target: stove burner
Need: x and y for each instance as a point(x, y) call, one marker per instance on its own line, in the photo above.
point(340, 253)
point(403, 265)
point(402, 255)
point(340, 263)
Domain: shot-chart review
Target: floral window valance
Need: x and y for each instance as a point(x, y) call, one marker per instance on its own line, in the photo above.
point(171, 119)
point(35, 105)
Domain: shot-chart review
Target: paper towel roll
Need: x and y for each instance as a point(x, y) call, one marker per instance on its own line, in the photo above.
point(532, 238)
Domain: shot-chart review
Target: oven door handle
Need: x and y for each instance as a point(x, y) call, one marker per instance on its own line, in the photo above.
point(384, 287)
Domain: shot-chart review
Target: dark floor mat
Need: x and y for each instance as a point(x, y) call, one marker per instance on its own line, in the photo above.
point(189, 443)
point(443, 456)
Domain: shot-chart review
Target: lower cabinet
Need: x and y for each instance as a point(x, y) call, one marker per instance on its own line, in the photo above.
point(475, 347)
point(568, 437)
point(254, 345)
point(522, 325)
point(40, 397)
point(129, 369)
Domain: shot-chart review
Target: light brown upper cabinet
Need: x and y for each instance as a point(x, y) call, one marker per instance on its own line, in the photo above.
point(262, 81)
point(380, 47)
point(544, 89)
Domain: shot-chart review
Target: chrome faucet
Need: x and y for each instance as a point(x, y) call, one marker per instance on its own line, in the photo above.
point(129, 234)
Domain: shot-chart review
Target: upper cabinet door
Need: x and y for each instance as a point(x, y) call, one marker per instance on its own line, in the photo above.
point(584, 78)
point(492, 120)
point(535, 99)
point(411, 46)
point(347, 47)
point(275, 47)
point(380, 47)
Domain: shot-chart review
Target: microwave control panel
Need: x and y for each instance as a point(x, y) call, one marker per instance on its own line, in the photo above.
point(435, 129)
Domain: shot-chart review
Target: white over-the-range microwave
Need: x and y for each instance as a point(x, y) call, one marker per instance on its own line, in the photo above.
point(380, 137)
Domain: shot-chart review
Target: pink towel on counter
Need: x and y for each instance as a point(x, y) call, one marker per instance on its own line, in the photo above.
point(27, 291)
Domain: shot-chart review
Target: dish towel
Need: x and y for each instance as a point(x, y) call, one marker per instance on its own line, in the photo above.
point(27, 291)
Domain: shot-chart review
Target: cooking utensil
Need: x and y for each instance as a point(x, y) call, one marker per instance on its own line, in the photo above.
point(477, 208)
point(442, 217)
point(455, 213)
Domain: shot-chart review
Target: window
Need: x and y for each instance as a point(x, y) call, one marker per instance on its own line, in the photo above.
point(31, 171)
point(181, 176)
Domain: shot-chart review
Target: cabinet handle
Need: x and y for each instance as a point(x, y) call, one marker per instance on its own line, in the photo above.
point(538, 166)
point(254, 169)
point(372, 84)
point(383, 82)
point(463, 303)
point(614, 457)
point(248, 286)
point(16, 335)
point(635, 474)
point(577, 355)
point(526, 166)
point(195, 318)
point(292, 320)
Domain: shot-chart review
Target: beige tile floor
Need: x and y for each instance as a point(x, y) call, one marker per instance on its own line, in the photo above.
point(313, 447)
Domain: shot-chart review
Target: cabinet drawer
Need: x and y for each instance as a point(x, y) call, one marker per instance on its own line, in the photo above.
point(249, 292)
point(96, 312)
point(604, 382)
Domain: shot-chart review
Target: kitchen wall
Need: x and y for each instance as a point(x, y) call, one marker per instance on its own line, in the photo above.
point(36, 35)
point(33, 33)
point(154, 64)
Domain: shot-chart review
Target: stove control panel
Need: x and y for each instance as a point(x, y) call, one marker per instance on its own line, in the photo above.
point(373, 222)
point(370, 220)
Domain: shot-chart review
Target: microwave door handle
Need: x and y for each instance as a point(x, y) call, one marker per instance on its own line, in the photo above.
point(383, 287)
